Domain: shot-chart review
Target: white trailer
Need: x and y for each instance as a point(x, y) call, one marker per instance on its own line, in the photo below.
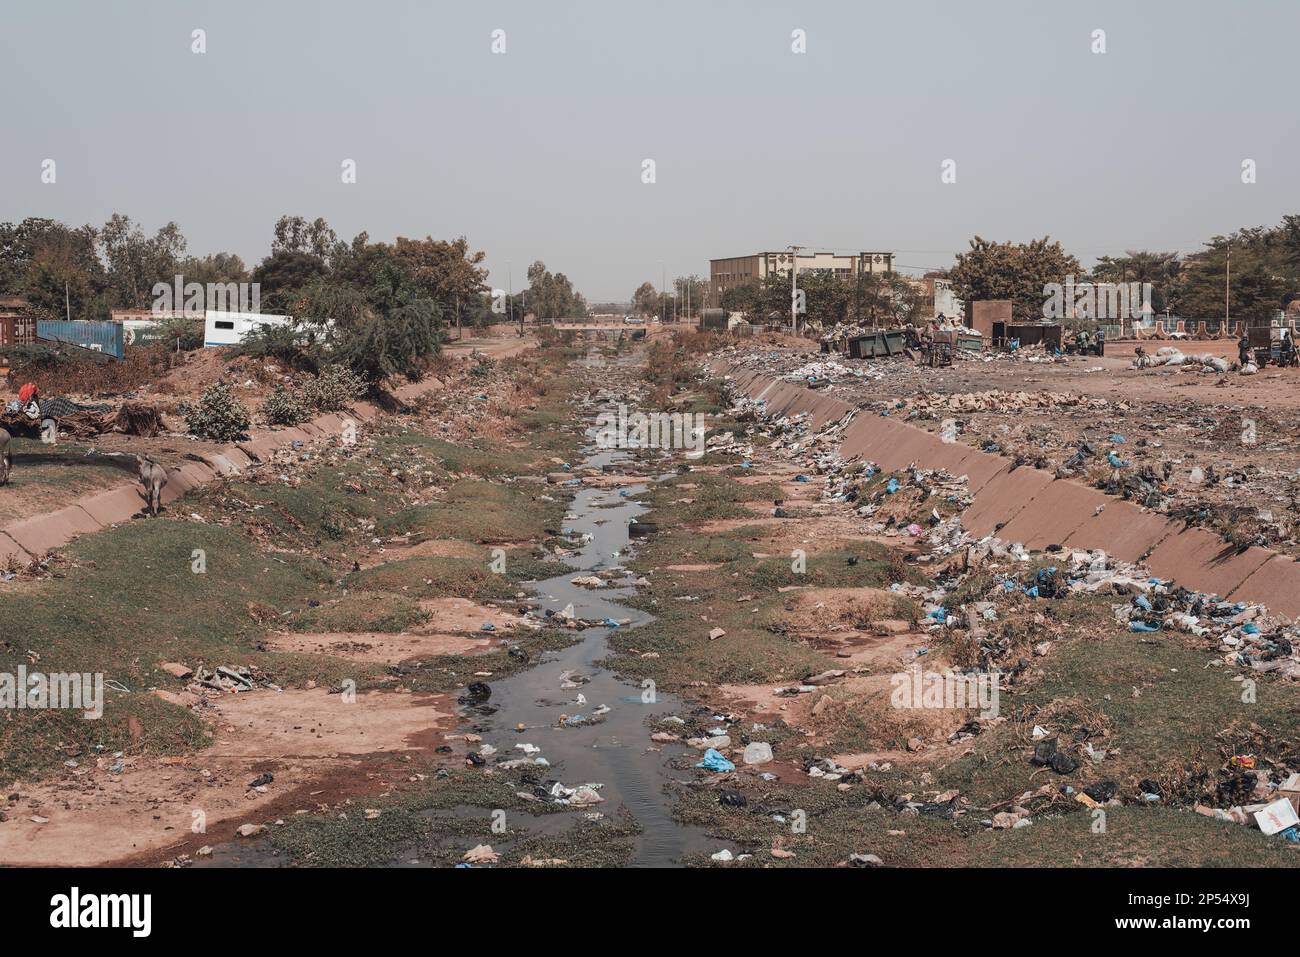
point(229, 328)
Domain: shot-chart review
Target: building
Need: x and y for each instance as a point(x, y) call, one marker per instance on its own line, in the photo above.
point(13, 307)
point(736, 271)
point(938, 298)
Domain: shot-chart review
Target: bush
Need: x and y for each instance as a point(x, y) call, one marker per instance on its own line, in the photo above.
point(286, 344)
point(180, 330)
point(334, 389)
point(217, 415)
point(283, 407)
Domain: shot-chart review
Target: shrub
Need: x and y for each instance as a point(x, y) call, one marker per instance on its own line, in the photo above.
point(283, 407)
point(180, 331)
point(334, 389)
point(286, 344)
point(217, 415)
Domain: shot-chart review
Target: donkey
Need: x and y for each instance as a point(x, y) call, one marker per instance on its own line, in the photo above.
point(153, 477)
point(6, 457)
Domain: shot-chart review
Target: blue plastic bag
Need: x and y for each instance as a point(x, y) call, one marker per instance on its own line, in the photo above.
point(714, 761)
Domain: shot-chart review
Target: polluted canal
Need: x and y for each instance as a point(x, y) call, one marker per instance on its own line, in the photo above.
point(561, 702)
point(566, 726)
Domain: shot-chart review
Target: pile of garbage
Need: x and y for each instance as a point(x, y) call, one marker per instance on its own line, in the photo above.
point(829, 371)
point(1169, 356)
point(997, 400)
point(1244, 634)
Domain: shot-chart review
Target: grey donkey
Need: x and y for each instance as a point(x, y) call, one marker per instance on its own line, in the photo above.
point(153, 477)
point(6, 457)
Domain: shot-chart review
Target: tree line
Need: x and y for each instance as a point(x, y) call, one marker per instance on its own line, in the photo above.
point(1265, 273)
point(378, 307)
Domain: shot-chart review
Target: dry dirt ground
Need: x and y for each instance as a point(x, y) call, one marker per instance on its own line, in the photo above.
point(319, 750)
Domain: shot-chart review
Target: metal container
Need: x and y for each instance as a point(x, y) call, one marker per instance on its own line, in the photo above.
point(16, 330)
point(103, 337)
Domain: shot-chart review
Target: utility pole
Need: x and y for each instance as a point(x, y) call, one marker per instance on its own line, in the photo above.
point(510, 294)
point(663, 291)
point(1227, 286)
point(794, 279)
point(67, 303)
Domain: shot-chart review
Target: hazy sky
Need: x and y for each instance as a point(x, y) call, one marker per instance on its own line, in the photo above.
point(537, 153)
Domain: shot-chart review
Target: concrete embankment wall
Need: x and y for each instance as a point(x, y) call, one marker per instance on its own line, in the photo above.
point(1033, 507)
point(30, 539)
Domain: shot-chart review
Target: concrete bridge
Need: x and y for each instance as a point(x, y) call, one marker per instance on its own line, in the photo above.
point(578, 326)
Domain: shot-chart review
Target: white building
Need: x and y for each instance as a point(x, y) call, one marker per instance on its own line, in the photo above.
point(229, 328)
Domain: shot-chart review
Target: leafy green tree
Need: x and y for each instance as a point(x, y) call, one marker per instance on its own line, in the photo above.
point(215, 268)
point(135, 261)
point(746, 298)
point(1161, 270)
point(551, 295)
point(645, 301)
point(57, 269)
point(284, 275)
point(1014, 271)
point(1257, 288)
point(388, 328)
point(446, 272)
point(293, 234)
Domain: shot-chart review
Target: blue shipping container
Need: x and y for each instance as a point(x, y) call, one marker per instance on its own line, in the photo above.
point(98, 336)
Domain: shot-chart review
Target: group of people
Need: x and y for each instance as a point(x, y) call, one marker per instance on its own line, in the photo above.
point(1287, 355)
point(1086, 343)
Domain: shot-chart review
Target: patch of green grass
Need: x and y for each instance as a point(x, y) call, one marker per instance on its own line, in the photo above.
point(474, 510)
point(438, 576)
point(1159, 704)
point(438, 820)
point(363, 611)
point(480, 457)
point(1134, 837)
point(130, 602)
point(711, 497)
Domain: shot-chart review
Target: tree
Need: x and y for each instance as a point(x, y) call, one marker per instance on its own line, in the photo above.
point(215, 268)
point(645, 301)
point(1257, 288)
point(283, 275)
point(1142, 266)
point(446, 272)
point(825, 297)
point(888, 300)
point(551, 295)
point(691, 291)
point(55, 267)
point(1014, 271)
point(293, 234)
point(386, 328)
point(135, 261)
point(745, 298)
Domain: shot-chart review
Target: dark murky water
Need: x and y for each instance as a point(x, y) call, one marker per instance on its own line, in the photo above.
point(614, 752)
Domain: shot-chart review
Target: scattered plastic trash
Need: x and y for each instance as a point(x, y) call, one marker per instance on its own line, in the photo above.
point(713, 761)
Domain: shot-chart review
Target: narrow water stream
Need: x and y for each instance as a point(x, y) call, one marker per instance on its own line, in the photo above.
point(613, 753)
